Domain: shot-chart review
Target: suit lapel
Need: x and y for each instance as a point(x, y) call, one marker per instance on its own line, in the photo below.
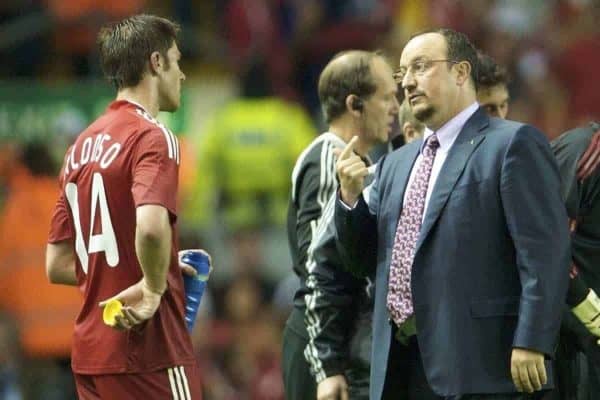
point(467, 141)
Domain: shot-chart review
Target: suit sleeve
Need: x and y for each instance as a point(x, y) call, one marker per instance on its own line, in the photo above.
point(356, 229)
point(537, 223)
point(330, 304)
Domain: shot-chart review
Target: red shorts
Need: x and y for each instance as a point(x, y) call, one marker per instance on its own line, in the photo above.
point(177, 383)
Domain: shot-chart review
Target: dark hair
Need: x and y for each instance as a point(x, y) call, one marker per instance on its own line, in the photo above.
point(490, 73)
point(459, 48)
point(254, 80)
point(126, 46)
point(340, 79)
point(37, 158)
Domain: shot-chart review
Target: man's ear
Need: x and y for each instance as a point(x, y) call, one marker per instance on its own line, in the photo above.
point(156, 62)
point(354, 105)
point(464, 71)
point(407, 131)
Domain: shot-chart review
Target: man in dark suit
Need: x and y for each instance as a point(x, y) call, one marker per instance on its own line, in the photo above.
point(468, 233)
point(578, 156)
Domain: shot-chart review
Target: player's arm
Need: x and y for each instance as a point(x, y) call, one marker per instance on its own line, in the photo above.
point(153, 245)
point(60, 263)
point(155, 185)
point(60, 251)
point(155, 168)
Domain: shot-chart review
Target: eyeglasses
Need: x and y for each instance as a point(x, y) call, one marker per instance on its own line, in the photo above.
point(418, 68)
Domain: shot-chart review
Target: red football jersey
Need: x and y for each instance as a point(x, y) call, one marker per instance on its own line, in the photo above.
point(123, 160)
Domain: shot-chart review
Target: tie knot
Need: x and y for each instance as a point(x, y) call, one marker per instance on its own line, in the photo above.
point(433, 142)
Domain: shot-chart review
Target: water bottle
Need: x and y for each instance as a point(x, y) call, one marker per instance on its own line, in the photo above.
point(194, 285)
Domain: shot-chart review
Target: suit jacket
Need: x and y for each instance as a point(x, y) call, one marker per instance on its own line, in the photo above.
point(491, 264)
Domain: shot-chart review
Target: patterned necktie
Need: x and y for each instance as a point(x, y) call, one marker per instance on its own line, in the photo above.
point(399, 297)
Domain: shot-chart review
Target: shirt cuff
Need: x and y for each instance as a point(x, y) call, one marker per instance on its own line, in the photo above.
point(346, 206)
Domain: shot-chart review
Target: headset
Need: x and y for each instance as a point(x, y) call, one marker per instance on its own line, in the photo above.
point(357, 104)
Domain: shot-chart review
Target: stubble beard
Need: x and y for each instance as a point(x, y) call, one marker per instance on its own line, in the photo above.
point(169, 102)
point(424, 114)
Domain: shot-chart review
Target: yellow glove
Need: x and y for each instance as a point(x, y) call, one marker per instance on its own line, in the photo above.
point(588, 312)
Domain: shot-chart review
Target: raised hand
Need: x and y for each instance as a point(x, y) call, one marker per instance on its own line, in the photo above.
point(351, 171)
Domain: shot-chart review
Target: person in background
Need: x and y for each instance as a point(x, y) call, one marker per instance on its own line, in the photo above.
point(245, 154)
point(578, 154)
point(10, 359)
point(358, 97)
point(492, 89)
point(46, 342)
point(411, 128)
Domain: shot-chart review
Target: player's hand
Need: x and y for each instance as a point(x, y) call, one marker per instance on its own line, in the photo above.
point(351, 172)
point(590, 160)
point(188, 269)
point(139, 304)
point(528, 370)
point(333, 388)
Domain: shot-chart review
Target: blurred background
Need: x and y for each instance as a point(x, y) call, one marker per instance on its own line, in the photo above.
point(250, 106)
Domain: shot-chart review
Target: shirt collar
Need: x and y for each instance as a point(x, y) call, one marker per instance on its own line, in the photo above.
point(118, 103)
point(448, 133)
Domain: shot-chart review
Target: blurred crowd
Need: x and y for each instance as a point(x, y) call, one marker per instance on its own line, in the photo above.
point(237, 164)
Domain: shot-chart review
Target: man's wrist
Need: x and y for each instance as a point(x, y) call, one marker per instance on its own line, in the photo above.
point(588, 309)
point(154, 290)
point(331, 368)
point(349, 201)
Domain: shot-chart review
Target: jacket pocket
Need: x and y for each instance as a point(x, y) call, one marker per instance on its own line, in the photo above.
point(495, 307)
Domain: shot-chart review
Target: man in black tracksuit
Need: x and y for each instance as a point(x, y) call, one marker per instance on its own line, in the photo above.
point(321, 358)
point(577, 154)
point(341, 302)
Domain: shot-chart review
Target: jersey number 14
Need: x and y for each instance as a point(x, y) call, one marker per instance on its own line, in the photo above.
point(105, 241)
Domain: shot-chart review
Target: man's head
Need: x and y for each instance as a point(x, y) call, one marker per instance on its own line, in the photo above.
point(359, 86)
point(143, 47)
point(411, 128)
point(438, 73)
point(492, 88)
